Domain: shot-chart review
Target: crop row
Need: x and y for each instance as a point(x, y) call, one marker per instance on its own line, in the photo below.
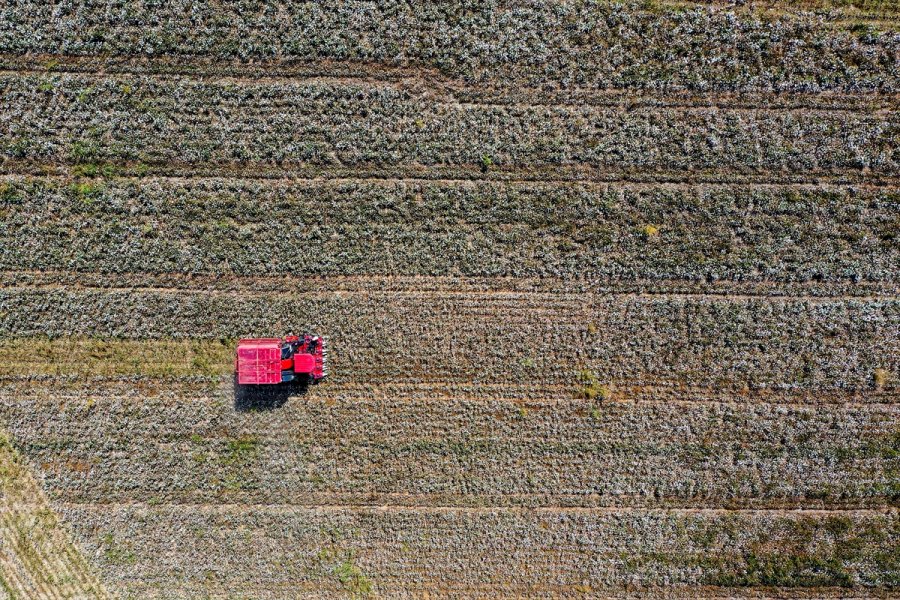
point(323, 449)
point(539, 44)
point(725, 343)
point(398, 552)
point(325, 413)
point(196, 123)
point(195, 379)
point(445, 90)
point(473, 229)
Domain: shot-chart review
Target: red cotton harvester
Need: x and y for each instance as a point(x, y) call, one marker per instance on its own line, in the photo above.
point(268, 361)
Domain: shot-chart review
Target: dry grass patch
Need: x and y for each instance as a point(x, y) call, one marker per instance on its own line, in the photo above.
point(39, 561)
point(98, 357)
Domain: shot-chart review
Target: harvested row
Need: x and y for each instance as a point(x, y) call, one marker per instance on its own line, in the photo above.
point(198, 378)
point(38, 560)
point(459, 552)
point(196, 124)
point(728, 343)
point(332, 448)
point(541, 44)
point(471, 229)
point(323, 414)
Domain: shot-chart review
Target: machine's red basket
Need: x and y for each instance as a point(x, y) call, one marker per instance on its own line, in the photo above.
point(259, 361)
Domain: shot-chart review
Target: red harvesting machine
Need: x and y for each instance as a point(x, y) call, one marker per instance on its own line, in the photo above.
point(265, 361)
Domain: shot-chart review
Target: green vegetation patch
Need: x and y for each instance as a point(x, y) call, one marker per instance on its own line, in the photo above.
point(340, 565)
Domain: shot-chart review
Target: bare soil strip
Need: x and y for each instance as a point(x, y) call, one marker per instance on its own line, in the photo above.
point(425, 286)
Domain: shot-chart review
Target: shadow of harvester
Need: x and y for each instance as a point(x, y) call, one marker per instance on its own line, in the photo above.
point(266, 397)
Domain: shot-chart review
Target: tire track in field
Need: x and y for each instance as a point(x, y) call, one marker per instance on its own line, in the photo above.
point(485, 286)
point(496, 296)
point(427, 287)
